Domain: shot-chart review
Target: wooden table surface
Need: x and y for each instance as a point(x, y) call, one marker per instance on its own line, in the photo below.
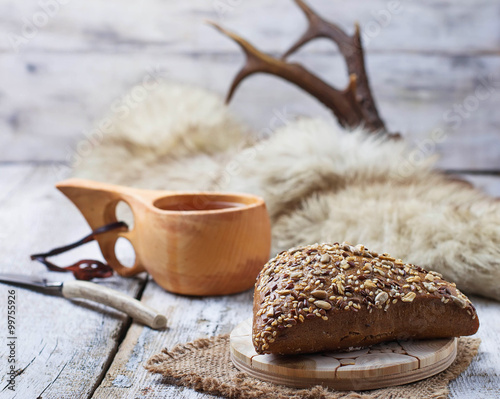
point(430, 63)
point(77, 349)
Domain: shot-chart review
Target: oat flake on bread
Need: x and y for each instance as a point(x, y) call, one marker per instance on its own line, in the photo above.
point(336, 296)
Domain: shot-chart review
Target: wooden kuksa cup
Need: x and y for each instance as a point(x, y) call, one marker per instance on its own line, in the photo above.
point(191, 243)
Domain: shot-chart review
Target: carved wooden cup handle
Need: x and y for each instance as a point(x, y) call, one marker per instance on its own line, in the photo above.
point(97, 202)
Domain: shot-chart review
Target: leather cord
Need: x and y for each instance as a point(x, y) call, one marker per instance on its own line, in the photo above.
point(85, 269)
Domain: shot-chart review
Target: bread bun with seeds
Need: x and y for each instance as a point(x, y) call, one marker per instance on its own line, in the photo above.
point(326, 297)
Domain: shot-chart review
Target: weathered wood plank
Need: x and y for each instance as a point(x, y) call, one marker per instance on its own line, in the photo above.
point(482, 378)
point(63, 347)
point(487, 184)
point(425, 26)
point(416, 94)
point(421, 67)
point(188, 318)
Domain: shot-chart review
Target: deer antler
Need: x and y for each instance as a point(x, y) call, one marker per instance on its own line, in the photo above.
point(353, 106)
point(342, 103)
point(352, 50)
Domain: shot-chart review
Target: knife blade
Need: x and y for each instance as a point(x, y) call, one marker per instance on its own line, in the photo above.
point(92, 291)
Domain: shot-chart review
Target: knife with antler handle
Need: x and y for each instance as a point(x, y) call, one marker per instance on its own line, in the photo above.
point(94, 292)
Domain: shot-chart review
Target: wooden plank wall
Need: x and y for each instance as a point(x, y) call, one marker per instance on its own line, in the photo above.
point(432, 64)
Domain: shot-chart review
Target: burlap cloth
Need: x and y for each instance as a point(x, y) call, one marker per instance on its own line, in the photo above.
point(205, 365)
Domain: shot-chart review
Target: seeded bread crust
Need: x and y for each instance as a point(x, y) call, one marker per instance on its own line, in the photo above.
point(336, 296)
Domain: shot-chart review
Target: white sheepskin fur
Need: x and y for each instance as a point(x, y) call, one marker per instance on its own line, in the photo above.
point(320, 183)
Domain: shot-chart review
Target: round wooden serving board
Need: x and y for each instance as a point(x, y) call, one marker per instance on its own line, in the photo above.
point(379, 366)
